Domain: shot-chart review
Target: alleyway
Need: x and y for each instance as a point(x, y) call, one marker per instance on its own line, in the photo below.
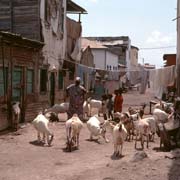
point(22, 159)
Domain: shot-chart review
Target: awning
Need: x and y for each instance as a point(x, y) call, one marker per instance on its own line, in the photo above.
point(73, 8)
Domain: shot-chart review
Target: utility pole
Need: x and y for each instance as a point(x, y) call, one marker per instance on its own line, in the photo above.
point(178, 50)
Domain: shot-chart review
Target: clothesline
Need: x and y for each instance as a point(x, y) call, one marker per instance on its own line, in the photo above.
point(122, 70)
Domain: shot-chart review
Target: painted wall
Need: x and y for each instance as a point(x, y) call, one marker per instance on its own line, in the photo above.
point(102, 58)
point(99, 58)
point(111, 60)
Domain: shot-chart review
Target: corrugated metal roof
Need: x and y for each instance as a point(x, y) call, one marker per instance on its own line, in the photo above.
point(92, 44)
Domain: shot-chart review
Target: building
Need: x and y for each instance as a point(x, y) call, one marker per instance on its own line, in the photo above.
point(104, 58)
point(149, 66)
point(20, 61)
point(170, 59)
point(45, 22)
point(120, 45)
point(134, 56)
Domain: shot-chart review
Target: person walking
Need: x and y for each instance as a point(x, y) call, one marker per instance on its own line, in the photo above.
point(118, 101)
point(76, 94)
point(110, 106)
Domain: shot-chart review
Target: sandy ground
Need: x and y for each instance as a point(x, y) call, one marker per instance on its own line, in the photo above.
point(21, 158)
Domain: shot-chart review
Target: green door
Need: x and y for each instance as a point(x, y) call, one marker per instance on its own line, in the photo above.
point(17, 84)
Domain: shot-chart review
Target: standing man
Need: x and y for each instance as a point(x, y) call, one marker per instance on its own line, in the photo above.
point(76, 93)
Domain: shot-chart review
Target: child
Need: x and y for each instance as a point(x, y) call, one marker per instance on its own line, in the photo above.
point(118, 101)
point(110, 106)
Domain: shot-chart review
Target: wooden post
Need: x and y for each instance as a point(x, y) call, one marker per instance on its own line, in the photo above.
point(178, 50)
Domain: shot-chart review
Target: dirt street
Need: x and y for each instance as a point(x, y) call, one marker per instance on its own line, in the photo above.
point(22, 159)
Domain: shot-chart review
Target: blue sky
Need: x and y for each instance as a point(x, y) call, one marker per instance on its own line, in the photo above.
point(148, 23)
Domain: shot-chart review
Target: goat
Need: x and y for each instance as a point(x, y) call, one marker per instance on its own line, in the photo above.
point(59, 108)
point(93, 103)
point(160, 116)
point(52, 112)
point(152, 125)
point(96, 129)
point(142, 128)
point(86, 109)
point(167, 107)
point(119, 134)
point(16, 114)
point(41, 125)
point(73, 128)
point(128, 124)
point(139, 110)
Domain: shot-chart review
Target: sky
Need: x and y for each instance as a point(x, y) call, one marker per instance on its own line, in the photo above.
point(148, 23)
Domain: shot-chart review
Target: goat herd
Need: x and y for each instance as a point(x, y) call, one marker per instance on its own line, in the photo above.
point(124, 126)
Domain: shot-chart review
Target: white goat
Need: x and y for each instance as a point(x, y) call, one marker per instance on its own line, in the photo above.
point(142, 128)
point(59, 108)
point(152, 126)
point(41, 125)
point(97, 104)
point(160, 116)
point(16, 114)
point(96, 129)
point(86, 109)
point(167, 107)
point(73, 128)
point(119, 133)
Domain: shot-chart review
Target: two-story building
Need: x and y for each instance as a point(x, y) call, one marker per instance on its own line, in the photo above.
point(42, 26)
point(104, 58)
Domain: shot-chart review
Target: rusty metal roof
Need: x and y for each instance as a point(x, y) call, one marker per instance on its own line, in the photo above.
point(20, 40)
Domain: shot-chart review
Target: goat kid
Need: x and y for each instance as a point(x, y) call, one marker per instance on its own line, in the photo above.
point(16, 115)
point(142, 129)
point(119, 134)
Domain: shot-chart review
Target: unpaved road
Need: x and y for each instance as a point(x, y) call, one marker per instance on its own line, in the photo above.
point(22, 159)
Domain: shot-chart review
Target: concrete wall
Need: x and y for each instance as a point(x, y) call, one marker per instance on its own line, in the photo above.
point(99, 58)
point(134, 57)
point(111, 60)
point(102, 58)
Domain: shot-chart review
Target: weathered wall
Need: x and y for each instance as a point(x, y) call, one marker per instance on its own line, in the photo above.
point(21, 17)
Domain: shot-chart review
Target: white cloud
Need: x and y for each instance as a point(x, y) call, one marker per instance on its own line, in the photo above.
point(158, 39)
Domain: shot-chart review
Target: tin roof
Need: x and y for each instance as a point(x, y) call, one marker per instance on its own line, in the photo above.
point(92, 44)
point(19, 40)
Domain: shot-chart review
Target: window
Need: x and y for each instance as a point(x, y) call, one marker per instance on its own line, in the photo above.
point(43, 80)
point(3, 86)
point(60, 80)
point(30, 77)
